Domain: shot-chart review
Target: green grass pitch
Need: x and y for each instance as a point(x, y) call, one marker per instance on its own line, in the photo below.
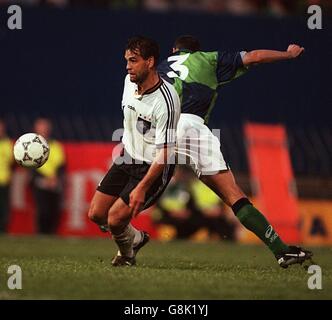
point(77, 268)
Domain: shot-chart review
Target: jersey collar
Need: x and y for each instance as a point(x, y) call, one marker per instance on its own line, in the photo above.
point(180, 51)
point(150, 90)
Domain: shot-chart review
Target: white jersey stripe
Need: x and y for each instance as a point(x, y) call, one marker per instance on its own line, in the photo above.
point(169, 120)
point(172, 104)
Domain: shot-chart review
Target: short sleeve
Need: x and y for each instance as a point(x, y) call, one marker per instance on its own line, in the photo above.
point(228, 65)
point(163, 69)
point(126, 86)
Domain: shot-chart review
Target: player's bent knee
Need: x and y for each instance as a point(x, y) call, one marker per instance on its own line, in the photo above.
point(92, 215)
point(114, 221)
point(118, 218)
point(95, 215)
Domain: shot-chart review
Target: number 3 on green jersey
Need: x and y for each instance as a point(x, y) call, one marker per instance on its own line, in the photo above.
point(179, 70)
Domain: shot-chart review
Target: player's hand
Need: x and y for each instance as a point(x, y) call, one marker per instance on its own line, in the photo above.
point(136, 200)
point(294, 50)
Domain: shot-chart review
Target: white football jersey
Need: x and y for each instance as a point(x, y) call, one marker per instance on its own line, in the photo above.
point(150, 119)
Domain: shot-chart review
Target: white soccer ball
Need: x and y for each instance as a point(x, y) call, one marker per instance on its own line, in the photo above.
point(31, 150)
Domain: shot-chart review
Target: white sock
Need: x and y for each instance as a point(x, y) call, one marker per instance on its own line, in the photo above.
point(138, 235)
point(124, 241)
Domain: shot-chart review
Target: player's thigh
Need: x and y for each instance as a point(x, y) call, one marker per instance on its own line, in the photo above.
point(114, 181)
point(156, 189)
point(100, 205)
point(120, 213)
point(159, 186)
point(225, 186)
point(108, 191)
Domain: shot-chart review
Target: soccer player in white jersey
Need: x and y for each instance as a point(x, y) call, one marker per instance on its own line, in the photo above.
point(137, 178)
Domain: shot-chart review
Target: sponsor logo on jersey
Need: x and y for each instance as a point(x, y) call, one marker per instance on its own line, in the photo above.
point(131, 107)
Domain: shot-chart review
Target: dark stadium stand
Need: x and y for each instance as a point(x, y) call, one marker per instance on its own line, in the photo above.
point(73, 73)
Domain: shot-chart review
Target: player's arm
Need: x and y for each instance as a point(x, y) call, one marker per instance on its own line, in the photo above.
point(167, 116)
point(137, 196)
point(268, 56)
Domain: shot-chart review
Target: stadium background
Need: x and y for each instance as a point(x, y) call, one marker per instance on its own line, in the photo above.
point(67, 64)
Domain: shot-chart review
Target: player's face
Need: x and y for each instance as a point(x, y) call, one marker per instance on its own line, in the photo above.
point(137, 67)
point(43, 127)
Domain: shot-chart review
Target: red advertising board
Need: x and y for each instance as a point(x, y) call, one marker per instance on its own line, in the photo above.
point(272, 178)
point(86, 164)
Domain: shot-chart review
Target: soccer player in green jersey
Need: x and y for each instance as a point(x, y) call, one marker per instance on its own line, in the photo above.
point(197, 75)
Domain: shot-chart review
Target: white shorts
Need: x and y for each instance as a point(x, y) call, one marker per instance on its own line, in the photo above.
point(198, 147)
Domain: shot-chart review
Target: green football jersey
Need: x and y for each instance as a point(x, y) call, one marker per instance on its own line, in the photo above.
point(196, 77)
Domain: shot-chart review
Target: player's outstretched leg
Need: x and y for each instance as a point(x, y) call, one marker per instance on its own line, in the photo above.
point(255, 221)
point(252, 219)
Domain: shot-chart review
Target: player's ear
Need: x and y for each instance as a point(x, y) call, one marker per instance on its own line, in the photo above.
point(151, 62)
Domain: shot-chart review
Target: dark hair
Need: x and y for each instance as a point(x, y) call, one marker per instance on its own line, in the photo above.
point(147, 47)
point(187, 42)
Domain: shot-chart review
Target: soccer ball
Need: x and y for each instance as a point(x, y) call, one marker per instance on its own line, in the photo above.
point(31, 150)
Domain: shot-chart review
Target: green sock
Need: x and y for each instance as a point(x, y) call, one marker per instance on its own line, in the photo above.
point(254, 221)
